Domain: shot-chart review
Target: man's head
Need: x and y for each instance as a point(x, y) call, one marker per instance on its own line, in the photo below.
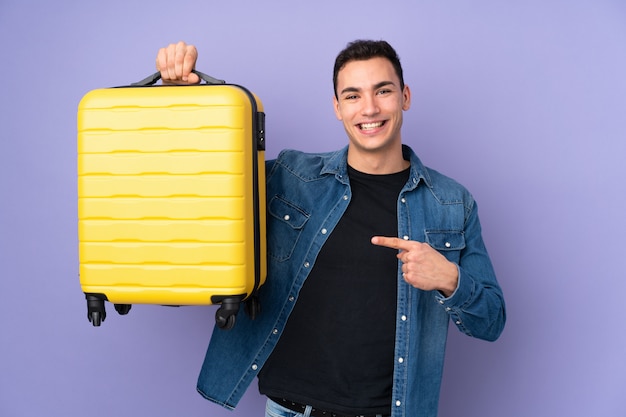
point(361, 50)
point(370, 97)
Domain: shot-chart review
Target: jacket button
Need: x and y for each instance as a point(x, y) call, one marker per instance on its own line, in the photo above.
point(286, 217)
point(324, 231)
point(255, 367)
point(306, 264)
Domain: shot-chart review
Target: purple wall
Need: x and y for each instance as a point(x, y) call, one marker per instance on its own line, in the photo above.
point(524, 103)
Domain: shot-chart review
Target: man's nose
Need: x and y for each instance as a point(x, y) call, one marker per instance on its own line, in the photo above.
point(370, 105)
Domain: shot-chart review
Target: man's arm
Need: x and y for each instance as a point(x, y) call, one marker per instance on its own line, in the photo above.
point(476, 304)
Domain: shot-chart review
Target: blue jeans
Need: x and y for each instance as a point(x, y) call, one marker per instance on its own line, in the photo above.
point(273, 409)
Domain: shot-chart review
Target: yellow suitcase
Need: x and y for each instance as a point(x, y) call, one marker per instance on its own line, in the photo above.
point(171, 197)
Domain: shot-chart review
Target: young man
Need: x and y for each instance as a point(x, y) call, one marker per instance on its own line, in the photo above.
point(370, 255)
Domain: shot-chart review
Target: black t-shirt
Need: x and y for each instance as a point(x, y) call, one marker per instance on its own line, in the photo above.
point(336, 352)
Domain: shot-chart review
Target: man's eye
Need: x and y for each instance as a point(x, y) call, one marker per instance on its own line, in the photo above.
point(383, 92)
point(350, 97)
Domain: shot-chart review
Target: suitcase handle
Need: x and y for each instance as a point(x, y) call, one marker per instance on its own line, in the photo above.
point(150, 80)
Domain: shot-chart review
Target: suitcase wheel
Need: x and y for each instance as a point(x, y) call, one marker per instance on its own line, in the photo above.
point(96, 318)
point(253, 307)
point(96, 312)
point(122, 309)
point(225, 322)
point(226, 314)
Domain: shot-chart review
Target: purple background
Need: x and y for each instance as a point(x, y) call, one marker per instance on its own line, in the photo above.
point(524, 102)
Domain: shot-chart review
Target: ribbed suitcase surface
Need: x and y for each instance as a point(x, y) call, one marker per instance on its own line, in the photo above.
point(166, 194)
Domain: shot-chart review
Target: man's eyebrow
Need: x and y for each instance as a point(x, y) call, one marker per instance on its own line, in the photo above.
point(376, 87)
point(383, 84)
point(350, 90)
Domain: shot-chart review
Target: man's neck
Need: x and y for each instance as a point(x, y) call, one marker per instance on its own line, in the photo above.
point(377, 163)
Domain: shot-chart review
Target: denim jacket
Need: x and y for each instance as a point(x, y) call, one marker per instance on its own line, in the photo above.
point(306, 196)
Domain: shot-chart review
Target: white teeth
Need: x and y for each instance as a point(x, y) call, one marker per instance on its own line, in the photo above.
point(367, 126)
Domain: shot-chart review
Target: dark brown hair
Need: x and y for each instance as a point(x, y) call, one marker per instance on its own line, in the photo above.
point(361, 50)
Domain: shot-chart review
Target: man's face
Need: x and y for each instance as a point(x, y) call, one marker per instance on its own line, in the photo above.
point(370, 103)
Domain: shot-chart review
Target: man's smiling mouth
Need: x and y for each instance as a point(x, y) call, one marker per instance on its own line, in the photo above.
point(370, 126)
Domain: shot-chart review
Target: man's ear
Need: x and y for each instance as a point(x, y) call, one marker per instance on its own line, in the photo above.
point(406, 95)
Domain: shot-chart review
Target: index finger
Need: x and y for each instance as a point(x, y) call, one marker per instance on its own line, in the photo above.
point(391, 242)
point(161, 60)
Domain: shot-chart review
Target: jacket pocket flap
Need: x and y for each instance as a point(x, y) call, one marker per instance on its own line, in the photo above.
point(443, 240)
point(287, 212)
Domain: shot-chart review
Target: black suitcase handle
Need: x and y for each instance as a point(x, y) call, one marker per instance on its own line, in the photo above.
point(150, 80)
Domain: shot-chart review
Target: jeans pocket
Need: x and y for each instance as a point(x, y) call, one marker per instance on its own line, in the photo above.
point(276, 410)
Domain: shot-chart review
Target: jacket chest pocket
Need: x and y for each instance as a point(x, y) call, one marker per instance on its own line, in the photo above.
point(285, 222)
point(449, 243)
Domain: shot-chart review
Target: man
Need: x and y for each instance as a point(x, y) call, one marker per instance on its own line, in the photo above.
point(370, 255)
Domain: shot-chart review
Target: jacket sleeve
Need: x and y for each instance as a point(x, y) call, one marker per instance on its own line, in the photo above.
point(477, 306)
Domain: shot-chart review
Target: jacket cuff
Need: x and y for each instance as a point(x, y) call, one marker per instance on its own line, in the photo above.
point(462, 293)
